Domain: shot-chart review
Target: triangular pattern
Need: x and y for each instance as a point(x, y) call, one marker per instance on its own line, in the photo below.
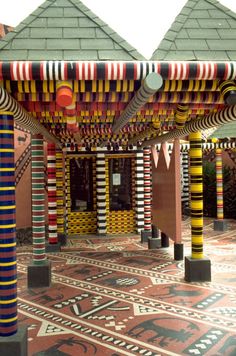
point(65, 30)
point(47, 329)
point(204, 30)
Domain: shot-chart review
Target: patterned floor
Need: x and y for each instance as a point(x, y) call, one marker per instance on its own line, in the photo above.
point(112, 296)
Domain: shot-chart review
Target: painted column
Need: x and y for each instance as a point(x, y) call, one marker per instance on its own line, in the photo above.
point(139, 191)
point(197, 267)
point(196, 189)
point(185, 170)
point(219, 224)
point(219, 184)
point(38, 200)
point(101, 193)
point(67, 194)
point(8, 274)
point(59, 191)
point(147, 189)
point(52, 190)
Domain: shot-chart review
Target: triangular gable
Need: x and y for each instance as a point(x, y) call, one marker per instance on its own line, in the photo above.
point(204, 30)
point(65, 30)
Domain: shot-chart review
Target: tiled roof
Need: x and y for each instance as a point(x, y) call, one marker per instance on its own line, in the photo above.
point(204, 30)
point(4, 29)
point(65, 30)
point(227, 130)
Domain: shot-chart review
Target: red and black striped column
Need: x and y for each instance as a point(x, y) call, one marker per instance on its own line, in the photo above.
point(52, 193)
point(147, 231)
point(8, 275)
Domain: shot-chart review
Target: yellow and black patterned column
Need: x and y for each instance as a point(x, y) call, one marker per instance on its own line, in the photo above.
point(196, 188)
point(197, 267)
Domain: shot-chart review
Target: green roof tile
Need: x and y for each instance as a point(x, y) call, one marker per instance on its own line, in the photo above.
point(207, 33)
point(65, 29)
point(227, 130)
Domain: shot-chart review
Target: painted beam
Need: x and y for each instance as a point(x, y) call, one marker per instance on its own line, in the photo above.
point(150, 85)
point(22, 118)
point(228, 114)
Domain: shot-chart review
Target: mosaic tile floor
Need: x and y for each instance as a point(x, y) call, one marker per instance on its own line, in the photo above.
point(112, 296)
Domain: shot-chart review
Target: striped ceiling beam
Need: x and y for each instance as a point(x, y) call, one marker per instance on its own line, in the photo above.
point(22, 118)
point(228, 114)
point(150, 85)
point(88, 70)
point(205, 146)
point(159, 97)
point(106, 86)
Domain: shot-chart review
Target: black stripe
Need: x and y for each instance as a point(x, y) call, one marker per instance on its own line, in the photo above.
point(129, 71)
point(101, 70)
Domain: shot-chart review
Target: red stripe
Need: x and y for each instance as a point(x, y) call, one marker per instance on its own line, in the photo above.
point(18, 70)
point(24, 71)
point(118, 71)
point(77, 71)
point(11, 71)
point(41, 71)
point(112, 71)
point(136, 71)
point(227, 66)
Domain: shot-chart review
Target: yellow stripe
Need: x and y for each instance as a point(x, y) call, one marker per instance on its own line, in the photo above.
point(20, 87)
point(7, 226)
point(8, 320)
point(5, 207)
point(8, 301)
point(82, 86)
point(8, 132)
point(8, 264)
point(8, 245)
point(7, 150)
point(26, 86)
point(6, 112)
point(8, 283)
point(7, 188)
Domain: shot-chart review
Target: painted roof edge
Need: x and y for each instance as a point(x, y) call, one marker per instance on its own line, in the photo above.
point(182, 12)
point(116, 70)
point(83, 8)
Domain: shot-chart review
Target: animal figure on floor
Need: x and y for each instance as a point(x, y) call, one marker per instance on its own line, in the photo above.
point(174, 292)
point(22, 138)
point(162, 332)
point(54, 350)
point(229, 345)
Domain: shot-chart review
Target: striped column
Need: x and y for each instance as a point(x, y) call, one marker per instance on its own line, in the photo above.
point(67, 194)
point(185, 170)
point(139, 194)
point(59, 191)
point(8, 276)
point(219, 184)
point(147, 189)
point(196, 189)
point(101, 194)
point(38, 200)
point(52, 197)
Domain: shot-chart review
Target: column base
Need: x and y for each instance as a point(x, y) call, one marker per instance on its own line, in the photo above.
point(52, 247)
point(62, 238)
point(145, 235)
point(220, 225)
point(178, 252)
point(154, 243)
point(39, 276)
point(16, 344)
point(197, 270)
point(155, 232)
point(164, 240)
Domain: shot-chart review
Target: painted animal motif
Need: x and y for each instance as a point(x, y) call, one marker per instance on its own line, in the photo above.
point(47, 298)
point(161, 332)
point(22, 138)
point(174, 292)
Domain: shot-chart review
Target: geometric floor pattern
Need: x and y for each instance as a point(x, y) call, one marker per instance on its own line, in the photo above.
point(112, 296)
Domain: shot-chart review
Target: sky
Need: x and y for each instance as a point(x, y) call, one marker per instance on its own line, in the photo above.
point(141, 23)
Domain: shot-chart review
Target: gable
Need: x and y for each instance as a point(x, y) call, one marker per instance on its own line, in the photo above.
point(65, 30)
point(204, 30)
